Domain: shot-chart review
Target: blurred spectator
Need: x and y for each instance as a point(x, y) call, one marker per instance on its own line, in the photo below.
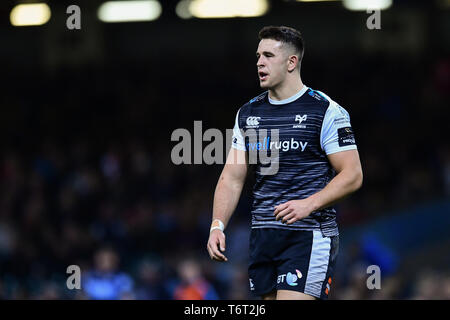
point(105, 281)
point(431, 285)
point(150, 282)
point(191, 284)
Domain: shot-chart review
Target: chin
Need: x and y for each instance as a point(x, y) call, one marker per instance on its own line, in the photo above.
point(264, 85)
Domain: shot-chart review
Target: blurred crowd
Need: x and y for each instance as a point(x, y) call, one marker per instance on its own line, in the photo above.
point(86, 176)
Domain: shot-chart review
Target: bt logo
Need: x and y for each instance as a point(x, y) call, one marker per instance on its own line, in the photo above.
point(291, 279)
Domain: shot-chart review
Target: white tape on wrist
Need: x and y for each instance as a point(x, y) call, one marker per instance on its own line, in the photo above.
point(217, 224)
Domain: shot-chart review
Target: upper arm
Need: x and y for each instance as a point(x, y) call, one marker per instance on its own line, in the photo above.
point(348, 160)
point(236, 165)
point(336, 133)
point(338, 140)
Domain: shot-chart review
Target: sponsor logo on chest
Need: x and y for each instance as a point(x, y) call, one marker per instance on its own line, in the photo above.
point(301, 119)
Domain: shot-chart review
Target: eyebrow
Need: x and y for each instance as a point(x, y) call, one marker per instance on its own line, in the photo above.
point(266, 53)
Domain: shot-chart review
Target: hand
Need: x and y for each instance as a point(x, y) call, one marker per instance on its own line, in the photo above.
point(216, 241)
point(293, 210)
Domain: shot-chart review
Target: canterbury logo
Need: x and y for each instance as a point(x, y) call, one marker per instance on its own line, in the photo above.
point(253, 121)
point(300, 119)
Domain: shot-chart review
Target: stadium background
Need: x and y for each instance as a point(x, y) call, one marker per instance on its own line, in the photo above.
point(86, 178)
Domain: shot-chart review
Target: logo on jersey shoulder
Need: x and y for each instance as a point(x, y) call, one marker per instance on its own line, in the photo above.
point(346, 137)
point(300, 119)
point(316, 95)
point(252, 122)
point(257, 98)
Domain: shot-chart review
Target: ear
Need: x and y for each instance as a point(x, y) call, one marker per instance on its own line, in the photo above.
point(292, 63)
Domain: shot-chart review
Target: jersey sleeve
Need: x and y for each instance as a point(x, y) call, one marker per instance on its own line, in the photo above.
point(337, 133)
point(237, 141)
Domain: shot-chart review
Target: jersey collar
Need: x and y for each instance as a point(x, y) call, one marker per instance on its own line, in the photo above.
point(290, 99)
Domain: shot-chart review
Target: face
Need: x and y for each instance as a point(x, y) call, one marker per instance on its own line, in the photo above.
point(189, 271)
point(106, 261)
point(272, 63)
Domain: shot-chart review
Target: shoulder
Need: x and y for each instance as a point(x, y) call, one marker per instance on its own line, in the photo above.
point(248, 108)
point(255, 101)
point(259, 99)
point(332, 107)
point(335, 110)
point(315, 102)
point(317, 95)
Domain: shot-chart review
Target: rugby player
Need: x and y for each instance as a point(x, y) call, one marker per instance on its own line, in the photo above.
point(294, 238)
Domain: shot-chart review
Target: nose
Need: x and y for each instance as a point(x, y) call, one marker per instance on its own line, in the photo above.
point(260, 62)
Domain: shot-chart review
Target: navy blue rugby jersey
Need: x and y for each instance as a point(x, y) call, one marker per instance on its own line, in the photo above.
point(295, 135)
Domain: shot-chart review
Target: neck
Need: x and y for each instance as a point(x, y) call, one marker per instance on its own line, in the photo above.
point(286, 89)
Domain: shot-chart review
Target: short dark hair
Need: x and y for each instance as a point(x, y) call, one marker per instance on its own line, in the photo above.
point(286, 35)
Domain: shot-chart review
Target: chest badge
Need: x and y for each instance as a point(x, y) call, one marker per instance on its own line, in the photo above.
point(300, 119)
point(252, 122)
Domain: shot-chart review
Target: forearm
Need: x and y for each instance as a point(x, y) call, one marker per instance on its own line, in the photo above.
point(342, 185)
point(226, 198)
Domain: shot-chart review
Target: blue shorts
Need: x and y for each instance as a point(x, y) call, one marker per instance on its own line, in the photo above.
point(295, 260)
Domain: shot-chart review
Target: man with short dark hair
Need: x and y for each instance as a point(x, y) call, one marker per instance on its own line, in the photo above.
point(294, 239)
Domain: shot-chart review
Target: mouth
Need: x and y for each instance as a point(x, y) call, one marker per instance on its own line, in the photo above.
point(263, 76)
